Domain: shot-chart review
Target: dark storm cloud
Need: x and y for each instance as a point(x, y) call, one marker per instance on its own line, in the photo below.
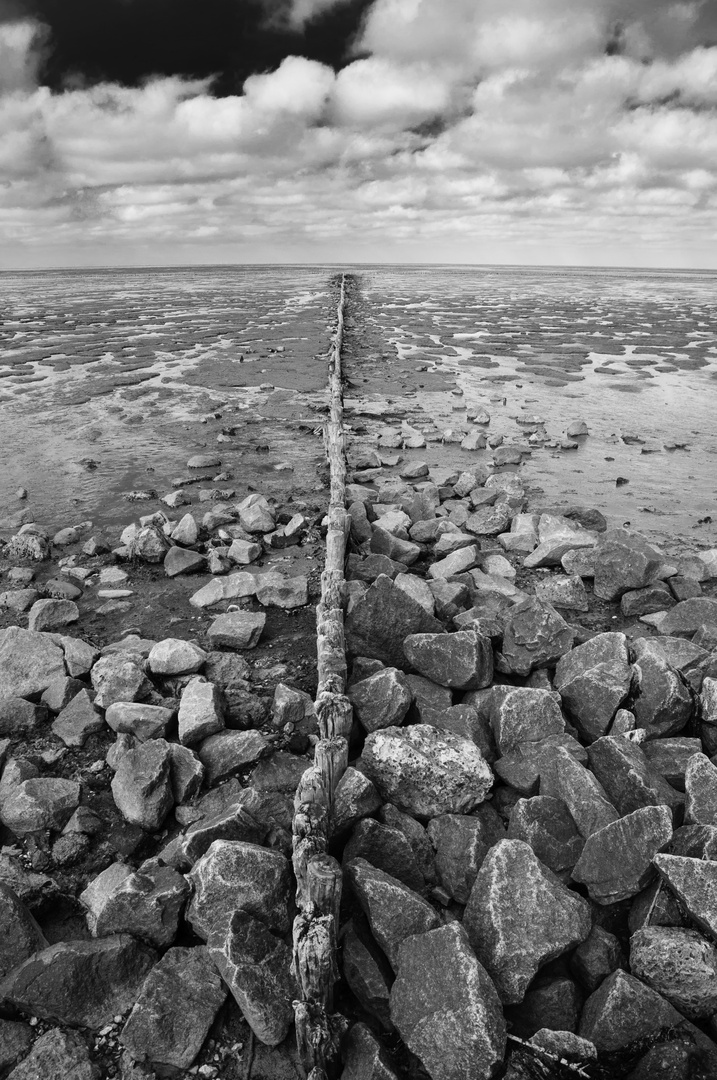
point(128, 41)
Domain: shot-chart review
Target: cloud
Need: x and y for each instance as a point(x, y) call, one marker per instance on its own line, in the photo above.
point(21, 45)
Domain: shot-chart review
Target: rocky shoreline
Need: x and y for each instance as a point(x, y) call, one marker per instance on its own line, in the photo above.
point(528, 819)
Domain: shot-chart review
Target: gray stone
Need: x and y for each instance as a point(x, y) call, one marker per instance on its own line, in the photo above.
point(597, 957)
point(233, 875)
point(244, 552)
point(39, 803)
point(623, 1010)
point(545, 823)
point(680, 964)
point(363, 1056)
point(446, 1008)
point(463, 660)
point(186, 773)
point(229, 752)
point(670, 757)
point(624, 561)
point(394, 911)
point(232, 587)
point(51, 614)
point(593, 681)
point(147, 903)
point(387, 849)
point(29, 662)
point(28, 545)
point(489, 521)
point(176, 1007)
point(368, 975)
point(174, 656)
point(15, 1042)
point(20, 936)
point(701, 791)
point(139, 719)
point(553, 1001)
point(119, 677)
point(355, 797)
point(382, 619)
point(694, 883)
point(80, 983)
point(535, 635)
point(563, 592)
point(237, 629)
point(60, 692)
point(458, 562)
point(417, 589)
point(256, 965)
point(78, 720)
point(385, 543)
point(57, 1055)
point(148, 544)
point(278, 590)
point(521, 714)
point(238, 818)
point(663, 702)
point(562, 777)
point(686, 618)
point(142, 784)
point(201, 711)
point(627, 777)
point(183, 561)
point(415, 834)
point(255, 515)
point(382, 700)
point(19, 717)
point(204, 461)
point(426, 772)
point(616, 862)
point(461, 843)
point(79, 655)
point(655, 597)
point(18, 599)
point(519, 916)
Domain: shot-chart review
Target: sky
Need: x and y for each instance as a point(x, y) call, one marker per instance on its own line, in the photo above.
point(535, 132)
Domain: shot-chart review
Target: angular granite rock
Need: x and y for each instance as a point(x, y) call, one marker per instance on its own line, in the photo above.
point(535, 636)
point(519, 916)
point(663, 702)
point(680, 964)
point(394, 912)
point(363, 1056)
point(147, 903)
point(235, 875)
point(237, 629)
point(461, 843)
point(368, 975)
point(521, 714)
point(382, 619)
point(694, 883)
point(20, 936)
point(44, 802)
point(142, 784)
point(546, 824)
point(623, 1010)
point(119, 677)
point(57, 1055)
point(29, 662)
point(623, 561)
point(426, 772)
point(201, 711)
point(382, 700)
point(616, 862)
point(387, 849)
point(138, 719)
point(174, 656)
point(256, 965)
point(355, 797)
point(462, 660)
point(686, 618)
point(562, 777)
point(700, 791)
point(628, 779)
point(593, 680)
point(176, 1006)
point(446, 1008)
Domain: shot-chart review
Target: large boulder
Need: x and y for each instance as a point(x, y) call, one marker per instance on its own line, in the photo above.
point(623, 1010)
point(627, 777)
point(56, 1055)
point(382, 619)
point(680, 964)
point(462, 660)
point(20, 936)
point(593, 680)
point(535, 636)
point(520, 714)
point(381, 700)
point(616, 862)
point(663, 702)
point(426, 772)
point(142, 784)
point(234, 875)
point(29, 661)
point(394, 912)
point(39, 803)
point(546, 824)
point(520, 916)
point(80, 983)
point(694, 883)
point(119, 677)
point(461, 843)
point(562, 777)
point(147, 903)
point(446, 1008)
point(686, 618)
point(623, 561)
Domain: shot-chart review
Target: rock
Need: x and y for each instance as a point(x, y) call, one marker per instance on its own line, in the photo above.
point(557, 536)
point(355, 797)
point(201, 711)
point(624, 1010)
point(417, 589)
point(244, 552)
point(663, 703)
point(15, 1042)
point(277, 590)
point(119, 677)
point(176, 1007)
point(461, 843)
point(563, 592)
point(237, 629)
point(57, 1055)
point(204, 461)
point(232, 587)
point(235, 875)
point(521, 714)
point(701, 791)
point(593, 680)
point(142, 785)
point(18, 599)
point(239, 819)
point(394, 912)
point(19, 717)
point(228, 752)
point(694, 883)
point(147, 903)
point(519, 916)
point(627, 777)
point(669, 757)
point(28, 545)
point(457, 562)
point(185, 532)
point(78, 720)
point(489, 521)
point(546, 825)
point(60, 693)
point(686, 618)
point(257, 967)
point(382, 700)
point(684, 656)
point(616, 862)
point(624, 561)
point(426, 772)
point(679, 964)
point(138, 719)
point(79, 656)
point(183, 561)
point(655, 597)
point(80, 983)
point(149, 544)
point(382, 619)
point(50, 614)
point(363, 1056)
point(552, 1001)
point(385, 543)
point(597, 957)
point(387, 849)
point(368, 975)
point(29, 662)
point(446, 1008)
point(463, 660)
point(563, 777)
point(534, 636)
point(20, 936)
point(39, 803)
point(255, 515)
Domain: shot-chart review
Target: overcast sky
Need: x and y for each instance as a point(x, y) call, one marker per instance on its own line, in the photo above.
point(475, 131)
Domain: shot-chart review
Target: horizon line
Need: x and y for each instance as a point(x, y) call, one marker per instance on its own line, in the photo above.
point(368, 264)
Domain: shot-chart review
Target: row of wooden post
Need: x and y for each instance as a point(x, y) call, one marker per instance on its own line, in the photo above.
point(318, 875)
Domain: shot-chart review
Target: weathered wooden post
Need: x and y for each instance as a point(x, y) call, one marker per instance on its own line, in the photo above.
point(318, 875)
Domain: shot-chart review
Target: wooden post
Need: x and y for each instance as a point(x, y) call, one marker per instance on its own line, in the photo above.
point(318, 875)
